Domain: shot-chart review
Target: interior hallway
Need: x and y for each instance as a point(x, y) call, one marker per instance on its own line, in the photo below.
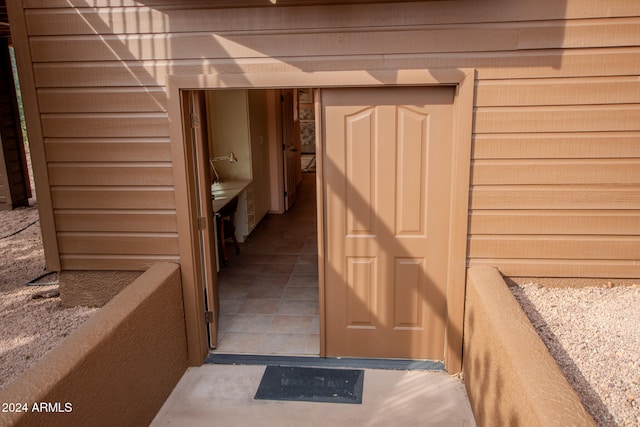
point(269, 293)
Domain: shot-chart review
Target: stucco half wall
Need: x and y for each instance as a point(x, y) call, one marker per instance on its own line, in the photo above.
point(118, 368)
point(511, 378)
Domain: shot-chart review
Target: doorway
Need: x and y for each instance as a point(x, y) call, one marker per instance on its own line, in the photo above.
point(387, 154)
point(266, 294)
point(462, 82)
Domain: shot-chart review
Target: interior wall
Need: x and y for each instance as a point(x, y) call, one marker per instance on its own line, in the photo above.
point(276, 176)
point(229, 132)
point(259, 129)
point(239, 124)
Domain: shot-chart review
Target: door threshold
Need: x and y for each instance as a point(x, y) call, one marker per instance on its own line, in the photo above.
point(324, 362)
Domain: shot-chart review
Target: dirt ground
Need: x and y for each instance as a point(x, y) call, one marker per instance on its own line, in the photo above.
point(32, 318)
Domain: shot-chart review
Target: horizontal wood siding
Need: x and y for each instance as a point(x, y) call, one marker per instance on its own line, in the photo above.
point(555, 187)
point(490, 37)
point(591, 118)
point(544, 197)
point(112, 197)
point(490, 65)
point(548, 92)
point(565, 171)
point(109, 262)
point(115, 100)
point(573, 145)
point(136, 221)
point(554, 222)
point(132, 149)
point(107, 243)
point(141, 174)
point(129, 16)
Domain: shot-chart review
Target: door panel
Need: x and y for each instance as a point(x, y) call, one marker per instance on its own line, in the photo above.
point(387, 163)
point(208, 254)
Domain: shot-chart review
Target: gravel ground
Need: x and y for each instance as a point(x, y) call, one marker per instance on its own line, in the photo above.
point(594, 335)
point(30, 326)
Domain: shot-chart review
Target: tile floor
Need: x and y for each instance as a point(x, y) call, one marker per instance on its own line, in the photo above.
point(269, 293)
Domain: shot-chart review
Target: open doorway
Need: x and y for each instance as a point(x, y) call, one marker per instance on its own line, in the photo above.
point(269, 292)
point(344, 187)
point(263, 293)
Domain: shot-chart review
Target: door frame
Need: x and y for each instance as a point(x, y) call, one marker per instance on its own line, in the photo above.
point(288, 137)
point(196, 132)
point(464, 82)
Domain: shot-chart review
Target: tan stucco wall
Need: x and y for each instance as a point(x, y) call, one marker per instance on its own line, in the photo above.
point(511, 378)
point(93, 288)
point(119, 367)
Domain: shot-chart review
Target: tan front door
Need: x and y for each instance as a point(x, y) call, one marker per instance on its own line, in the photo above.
point(387, 173)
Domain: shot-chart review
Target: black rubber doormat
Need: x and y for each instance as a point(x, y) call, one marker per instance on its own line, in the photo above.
point(311, 384)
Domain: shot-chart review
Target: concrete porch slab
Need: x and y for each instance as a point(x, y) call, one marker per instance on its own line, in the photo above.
point(223, 395)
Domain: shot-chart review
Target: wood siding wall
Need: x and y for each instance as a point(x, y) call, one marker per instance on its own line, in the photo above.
point(15, 188)
point(556, 144)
